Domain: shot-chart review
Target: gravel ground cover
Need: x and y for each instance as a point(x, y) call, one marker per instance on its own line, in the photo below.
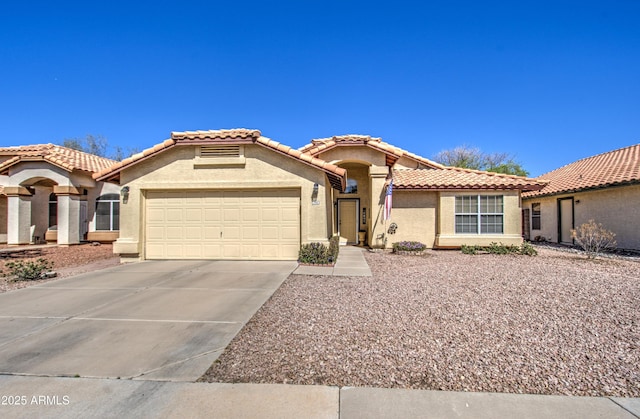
point(552, 324)
point(67, 261)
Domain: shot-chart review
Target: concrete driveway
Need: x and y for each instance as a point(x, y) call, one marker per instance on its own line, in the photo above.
point(154, 320)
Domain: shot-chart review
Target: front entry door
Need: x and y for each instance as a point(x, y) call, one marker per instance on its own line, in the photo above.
point(565, 220)
point(348, 219)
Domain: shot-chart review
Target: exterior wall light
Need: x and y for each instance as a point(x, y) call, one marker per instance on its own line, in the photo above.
point(124, 193)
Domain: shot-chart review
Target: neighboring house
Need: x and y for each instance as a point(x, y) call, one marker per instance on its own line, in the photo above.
point(47, 193)
point(234, 194)
point(605, 188)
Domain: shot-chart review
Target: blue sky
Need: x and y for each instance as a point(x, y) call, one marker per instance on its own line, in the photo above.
point(547, 81)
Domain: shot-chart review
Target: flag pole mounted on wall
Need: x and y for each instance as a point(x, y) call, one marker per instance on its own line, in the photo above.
point(388, 202)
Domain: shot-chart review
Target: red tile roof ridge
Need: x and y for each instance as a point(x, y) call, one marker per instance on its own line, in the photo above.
point(239, 133)
point(64, 157)
point(218, 133)
point(485, 172)
point(318, 145)
point(453, 178)
point(616, 167)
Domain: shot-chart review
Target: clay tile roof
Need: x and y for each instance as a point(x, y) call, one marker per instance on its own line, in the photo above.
point(220, 134)
point(617, 167)
point(336, 174)
point(63, 157)
point(457, 178)
point(393, 153)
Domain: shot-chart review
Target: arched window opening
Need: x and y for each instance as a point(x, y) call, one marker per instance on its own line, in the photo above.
point(352, 186)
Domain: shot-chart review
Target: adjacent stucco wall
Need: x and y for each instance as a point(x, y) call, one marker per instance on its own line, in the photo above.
point(261, 169)
point(447, 236)
point(616, 208)
point(3, 219)
point(415, 213)
point(354, 154)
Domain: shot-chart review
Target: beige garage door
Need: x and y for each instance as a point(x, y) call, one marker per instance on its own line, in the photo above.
point(222, 224)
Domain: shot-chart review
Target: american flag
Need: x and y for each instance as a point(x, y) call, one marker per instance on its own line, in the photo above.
point(388, 202)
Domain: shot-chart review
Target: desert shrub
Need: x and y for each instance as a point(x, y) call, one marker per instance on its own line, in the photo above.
point(409, 246)
point(318, 254)
point(470, 249)
point(500, 249)
point(594, 238)
point(334, 248)
point(527, 249)
point(29, 270)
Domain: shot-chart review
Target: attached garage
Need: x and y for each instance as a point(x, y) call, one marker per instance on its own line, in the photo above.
point(222, 224)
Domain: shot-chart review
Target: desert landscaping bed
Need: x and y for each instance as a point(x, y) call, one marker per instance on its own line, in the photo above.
point(552, 324)
point(67, 261)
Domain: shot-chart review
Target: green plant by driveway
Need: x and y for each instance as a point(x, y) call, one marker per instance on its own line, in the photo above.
point(500, 249)
point(318, 254)
point(29, 270)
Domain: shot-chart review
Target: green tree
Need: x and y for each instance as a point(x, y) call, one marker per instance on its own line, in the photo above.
point(99, 146)
point(473, 158)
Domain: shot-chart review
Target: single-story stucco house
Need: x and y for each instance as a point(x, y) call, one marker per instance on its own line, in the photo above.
point(47, 193)
point(234, 194)
point(605, 188)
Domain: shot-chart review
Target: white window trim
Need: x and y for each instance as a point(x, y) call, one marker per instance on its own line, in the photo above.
point(478, 214)
point(111, 215)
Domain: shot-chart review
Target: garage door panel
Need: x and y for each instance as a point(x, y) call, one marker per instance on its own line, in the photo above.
point(211, 233)
point(174, 214)
point(232, 214)
point(270, 233)
point(193, 215)
point(251, 233)
point(270, 214)
point(193, 233)
point(222, 224)
point(289, 233)
point(212, 214)
point(251, 251)
point(250, 214)
point(231, 232)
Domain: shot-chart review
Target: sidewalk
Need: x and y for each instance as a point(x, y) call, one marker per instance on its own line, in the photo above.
point(57, 397)
point(350, 262)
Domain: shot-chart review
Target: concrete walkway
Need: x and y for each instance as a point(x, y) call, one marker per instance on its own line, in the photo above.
point(57, 397)
point(351, 262)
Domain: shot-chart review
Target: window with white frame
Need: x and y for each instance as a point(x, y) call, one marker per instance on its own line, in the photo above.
point(479, 214)
point(108, 212)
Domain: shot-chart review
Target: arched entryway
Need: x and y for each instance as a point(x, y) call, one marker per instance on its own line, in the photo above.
point(353, 205)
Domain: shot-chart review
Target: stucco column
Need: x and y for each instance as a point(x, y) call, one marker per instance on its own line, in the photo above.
point(68, 214)
point(378, 178)
point(18, 215)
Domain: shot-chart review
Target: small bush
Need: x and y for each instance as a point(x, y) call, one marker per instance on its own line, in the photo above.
point(500, 249)
point(318, 254)
point(409, 246)
point(470, 250)
point(527, 249)
point(334, 248)
point(594, 238)
point(29, 270)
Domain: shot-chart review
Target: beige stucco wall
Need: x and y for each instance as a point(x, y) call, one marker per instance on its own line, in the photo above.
point(447, 236)
point(415, 213)
point(354, 154)
point(3, 219)
point(178, 169)
point(616, 208)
